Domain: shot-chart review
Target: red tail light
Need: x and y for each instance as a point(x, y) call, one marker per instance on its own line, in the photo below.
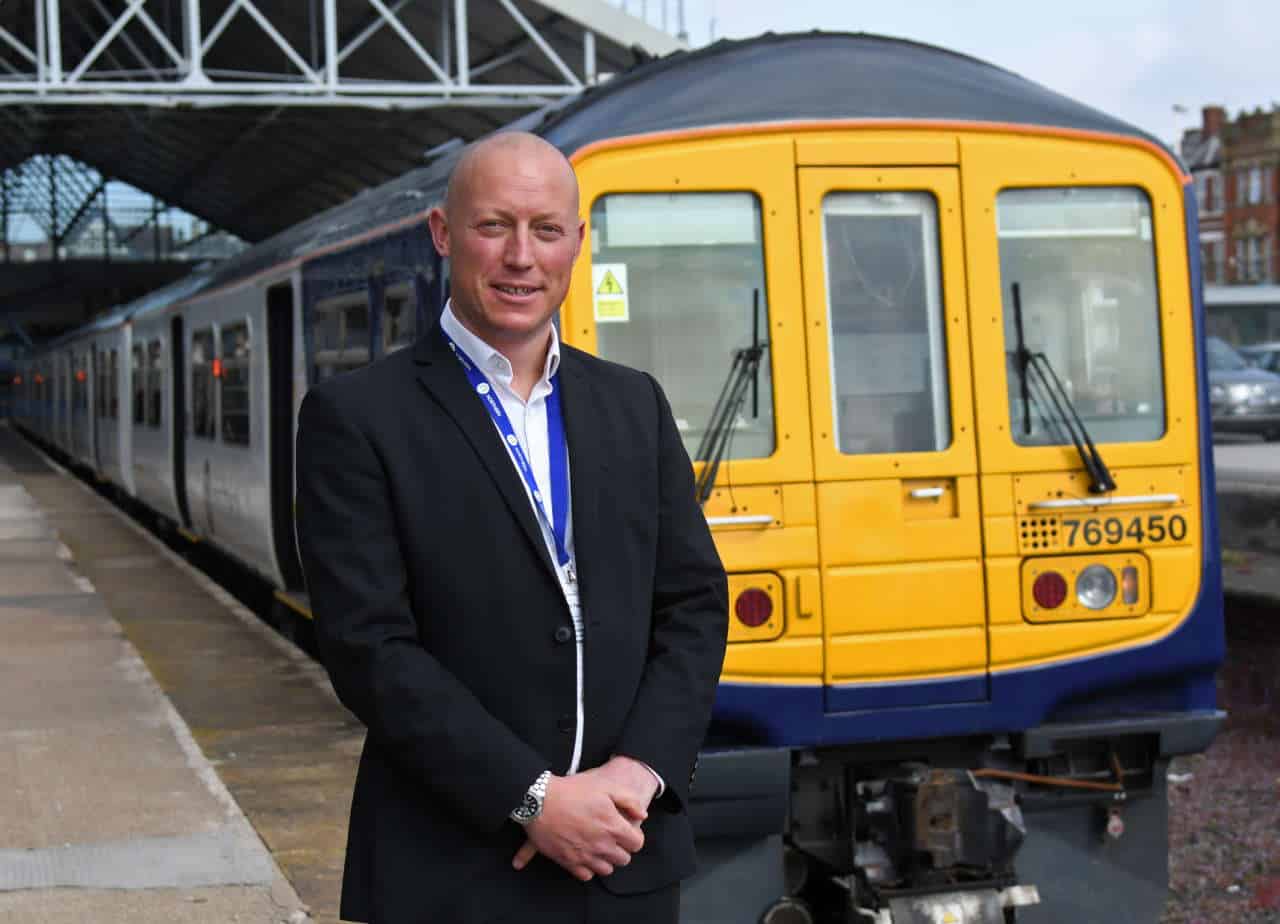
point(80, 375)
point(753, 607)
point(1049, 590)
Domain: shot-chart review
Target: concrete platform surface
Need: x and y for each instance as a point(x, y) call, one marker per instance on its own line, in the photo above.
point(1248, 476)
point(109, 811)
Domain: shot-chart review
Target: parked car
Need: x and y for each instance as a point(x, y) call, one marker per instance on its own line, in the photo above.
point(1242, 398)
point(1263, 355)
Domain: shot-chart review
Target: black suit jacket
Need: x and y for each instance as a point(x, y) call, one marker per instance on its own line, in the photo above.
point(441, 621)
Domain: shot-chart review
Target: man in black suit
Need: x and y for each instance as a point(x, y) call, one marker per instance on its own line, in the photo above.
point(513, 588)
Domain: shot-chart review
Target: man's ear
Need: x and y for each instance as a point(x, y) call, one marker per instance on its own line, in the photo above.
point(438, 222)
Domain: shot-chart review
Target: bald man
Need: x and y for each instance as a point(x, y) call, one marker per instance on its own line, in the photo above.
point(513, 588)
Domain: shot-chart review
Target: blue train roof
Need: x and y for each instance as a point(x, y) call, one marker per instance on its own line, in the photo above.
point(811, 76)
point(817, 76)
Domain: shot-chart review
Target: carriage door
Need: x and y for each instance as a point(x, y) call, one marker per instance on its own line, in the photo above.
point(899, 527)
point(98, 409)
point(178, 417)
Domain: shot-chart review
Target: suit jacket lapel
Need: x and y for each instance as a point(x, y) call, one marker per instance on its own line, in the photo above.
point(442, 375)
point(586, 430)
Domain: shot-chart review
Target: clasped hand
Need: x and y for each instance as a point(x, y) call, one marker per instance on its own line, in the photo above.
point(590, 822)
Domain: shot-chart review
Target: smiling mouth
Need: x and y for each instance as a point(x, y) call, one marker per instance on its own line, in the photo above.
point(516, 290)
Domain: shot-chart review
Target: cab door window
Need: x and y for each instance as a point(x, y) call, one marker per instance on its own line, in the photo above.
point(1084, 263)
point(885, 314)
point(675, 278)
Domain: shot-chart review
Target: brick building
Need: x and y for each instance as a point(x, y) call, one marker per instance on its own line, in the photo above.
point(1235, 165)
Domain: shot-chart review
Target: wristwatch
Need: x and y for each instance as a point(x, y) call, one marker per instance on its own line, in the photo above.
point(531, 807)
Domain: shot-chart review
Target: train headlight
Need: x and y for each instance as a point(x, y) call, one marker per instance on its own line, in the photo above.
point(1096, 587)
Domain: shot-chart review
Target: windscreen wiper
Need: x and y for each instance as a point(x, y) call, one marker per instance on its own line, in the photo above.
point(1059, 403)
point(743, 371)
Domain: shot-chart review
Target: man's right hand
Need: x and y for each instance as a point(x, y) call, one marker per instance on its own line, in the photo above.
point(583, 828)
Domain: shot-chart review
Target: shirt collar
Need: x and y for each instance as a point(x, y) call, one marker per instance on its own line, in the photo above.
point(492, 361)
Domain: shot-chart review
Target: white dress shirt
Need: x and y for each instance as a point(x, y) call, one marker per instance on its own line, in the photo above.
point(529, 421)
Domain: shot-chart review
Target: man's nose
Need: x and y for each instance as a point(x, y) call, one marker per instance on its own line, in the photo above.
point(519, 252)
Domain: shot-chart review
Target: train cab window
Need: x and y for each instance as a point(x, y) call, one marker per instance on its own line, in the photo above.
point(139, 384)
point(203, 410)
point(1084, 262)
point(674, 276)
point(885, 315)
point(155, 382)
point(399, 322)
point(340, 335)
point(234, 384)
point(113, 386)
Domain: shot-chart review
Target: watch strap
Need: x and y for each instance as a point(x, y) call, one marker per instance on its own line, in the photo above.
point(531, 806)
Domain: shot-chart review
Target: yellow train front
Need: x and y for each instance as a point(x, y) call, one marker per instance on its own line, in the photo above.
point(936, 331)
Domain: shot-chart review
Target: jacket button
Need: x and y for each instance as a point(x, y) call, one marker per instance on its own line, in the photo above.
point(563, 634)
point(565, 724)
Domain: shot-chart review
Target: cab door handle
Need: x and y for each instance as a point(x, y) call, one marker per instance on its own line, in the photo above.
point(927, 493)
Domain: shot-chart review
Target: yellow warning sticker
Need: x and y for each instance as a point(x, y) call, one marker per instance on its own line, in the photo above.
point(609, 293)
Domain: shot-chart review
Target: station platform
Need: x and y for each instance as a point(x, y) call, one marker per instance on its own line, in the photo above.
point(167, 757)
point(1248, 476)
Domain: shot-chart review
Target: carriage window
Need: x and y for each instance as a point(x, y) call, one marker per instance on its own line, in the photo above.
point(100, 386)
point(203, 411)
point(340, 335)
point(234, 384)
point(674, 276)
point(80, 386)
point(113, 385)
point(399, 322)
point(885, 315)
point(1084, 262)
point(155, 382)
point(139, 384)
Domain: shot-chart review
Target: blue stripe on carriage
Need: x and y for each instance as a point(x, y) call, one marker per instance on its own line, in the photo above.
point(856, 697)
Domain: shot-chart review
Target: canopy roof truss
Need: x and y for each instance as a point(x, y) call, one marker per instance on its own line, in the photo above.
point(306, 52)
point(257, 114)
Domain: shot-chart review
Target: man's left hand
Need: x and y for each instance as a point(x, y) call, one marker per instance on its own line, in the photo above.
point(630, 777)
point(631, 785)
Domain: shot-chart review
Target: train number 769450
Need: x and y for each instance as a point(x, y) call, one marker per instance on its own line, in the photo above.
point(1139, 529)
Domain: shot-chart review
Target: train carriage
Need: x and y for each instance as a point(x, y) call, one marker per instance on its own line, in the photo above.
point(933, 335)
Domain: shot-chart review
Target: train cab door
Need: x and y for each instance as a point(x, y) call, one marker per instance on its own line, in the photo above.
point(692, 269)
point(899, 524)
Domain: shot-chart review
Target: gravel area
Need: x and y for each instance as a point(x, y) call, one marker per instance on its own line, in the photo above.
point(1224, 805)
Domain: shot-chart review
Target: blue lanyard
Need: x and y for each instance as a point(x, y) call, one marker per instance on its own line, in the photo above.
point(558, 450)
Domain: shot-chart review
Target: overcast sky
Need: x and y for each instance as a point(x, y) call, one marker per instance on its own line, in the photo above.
point(1135, 59)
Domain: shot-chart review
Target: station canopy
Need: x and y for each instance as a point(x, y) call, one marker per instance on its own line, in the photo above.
point(253, 115)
